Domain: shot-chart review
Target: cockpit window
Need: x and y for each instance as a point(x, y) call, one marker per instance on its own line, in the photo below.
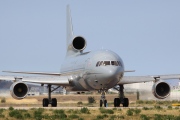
point(114, 63)
point(105, 63)
point(119, 63)
point(101, 63)
point(97, 64)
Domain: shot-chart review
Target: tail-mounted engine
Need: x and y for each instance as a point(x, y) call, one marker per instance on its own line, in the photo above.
point(161, 90)
point(78, 43)
point(19, 90)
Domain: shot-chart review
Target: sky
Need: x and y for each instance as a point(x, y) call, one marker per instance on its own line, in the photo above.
point(145, 34)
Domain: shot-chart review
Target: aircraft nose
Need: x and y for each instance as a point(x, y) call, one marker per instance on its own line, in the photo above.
point(113, 71)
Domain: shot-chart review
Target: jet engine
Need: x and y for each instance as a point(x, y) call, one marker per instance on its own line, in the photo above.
point(79, 43)
point(161, 90)
point(19, 90)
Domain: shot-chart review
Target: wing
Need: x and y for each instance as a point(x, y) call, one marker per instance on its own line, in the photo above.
point(50, 78)
point(8, 78)
point(35, 73)
point(53, 80)
point(45, 73)
point(139, 79)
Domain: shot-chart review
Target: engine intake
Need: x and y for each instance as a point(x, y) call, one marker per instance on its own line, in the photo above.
point(161, 90)
point(79, 43)
point(19, 90)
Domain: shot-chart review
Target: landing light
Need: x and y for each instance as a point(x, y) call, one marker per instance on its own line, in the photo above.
point(96, 81)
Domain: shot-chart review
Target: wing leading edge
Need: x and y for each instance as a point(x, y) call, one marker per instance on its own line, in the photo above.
point(45, 73)
point(61, 80)
point(34, 73)
point(53, 80)
point(139, 79)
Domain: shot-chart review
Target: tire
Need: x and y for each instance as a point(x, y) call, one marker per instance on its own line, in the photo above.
point(116, 102)
point(126, 102)
point(54, 102)
point(101, 102)
point(45, 102)
point(105, 102)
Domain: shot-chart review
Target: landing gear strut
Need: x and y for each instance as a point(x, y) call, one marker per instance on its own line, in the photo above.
point(47, 101)
point(121, 100)
point(103, 98)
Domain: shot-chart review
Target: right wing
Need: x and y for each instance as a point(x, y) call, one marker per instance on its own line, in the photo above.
point(62, 80)
point(50, 78)
point(53, 80)
point(8, 78)
point(46, 73)
point(35, 73)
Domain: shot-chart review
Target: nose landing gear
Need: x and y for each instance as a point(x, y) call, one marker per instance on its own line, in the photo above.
point(103, 98)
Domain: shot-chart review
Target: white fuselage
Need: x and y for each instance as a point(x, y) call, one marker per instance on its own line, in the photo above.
point(96, 70)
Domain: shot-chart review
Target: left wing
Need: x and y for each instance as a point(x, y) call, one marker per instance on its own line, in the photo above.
point(139, 79)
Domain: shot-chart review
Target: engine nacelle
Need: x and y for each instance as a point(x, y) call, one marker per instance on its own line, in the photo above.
point(161, 90)
point(78, 43)
point(19, 90)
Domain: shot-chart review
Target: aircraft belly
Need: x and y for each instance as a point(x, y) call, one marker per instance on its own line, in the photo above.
point(78, 83)
point(92, 82)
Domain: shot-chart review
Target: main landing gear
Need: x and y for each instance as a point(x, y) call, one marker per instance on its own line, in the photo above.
point(121, 100)
point(117, 101)
point(47, 101)
point(103, 98)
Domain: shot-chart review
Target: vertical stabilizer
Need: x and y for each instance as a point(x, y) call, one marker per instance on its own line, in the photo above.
point(69, 26)
point(75, 44)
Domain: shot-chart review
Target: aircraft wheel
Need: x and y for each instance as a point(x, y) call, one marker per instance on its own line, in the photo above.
point(54, 102)
point(101, 102)
point(105, 102)
point(126, 102)
point(116, 102)
point(45, 102)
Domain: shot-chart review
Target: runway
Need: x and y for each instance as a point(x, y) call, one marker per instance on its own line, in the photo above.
point(92, 108)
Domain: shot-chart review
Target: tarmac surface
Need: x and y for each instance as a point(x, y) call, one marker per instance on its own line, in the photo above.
point(54, 108)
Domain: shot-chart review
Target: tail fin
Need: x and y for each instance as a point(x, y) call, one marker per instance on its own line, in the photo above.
point(69, 26)
point(75, 44)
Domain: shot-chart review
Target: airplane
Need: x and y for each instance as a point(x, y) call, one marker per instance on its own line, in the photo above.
point(97, 70)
